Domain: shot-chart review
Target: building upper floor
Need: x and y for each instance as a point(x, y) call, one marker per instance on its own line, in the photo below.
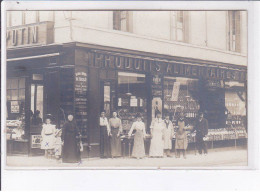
point(207, 35)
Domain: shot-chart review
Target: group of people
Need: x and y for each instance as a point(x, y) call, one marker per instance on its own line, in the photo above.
point(61, 143)
point(65, 143)
point(162, 133)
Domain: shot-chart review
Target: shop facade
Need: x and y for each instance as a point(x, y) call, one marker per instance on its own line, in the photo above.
point(45, 78)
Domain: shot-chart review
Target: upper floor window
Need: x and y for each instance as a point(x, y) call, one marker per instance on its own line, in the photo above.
point(234, 31)
point(179, 25)
point(121, 21)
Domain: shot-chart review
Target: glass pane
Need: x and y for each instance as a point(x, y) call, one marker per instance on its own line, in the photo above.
point(179, 35)
point(8, 95)
point(39, 100)
point(179, 25)
point(180, 16)
point(8, 83)
point(131, 97)
point(123, 25)
point(22, 94)
point(107, 98)
point(174, 21)
point(22, 83)
point(14, 83)
point(32, 97)
point(14, 94)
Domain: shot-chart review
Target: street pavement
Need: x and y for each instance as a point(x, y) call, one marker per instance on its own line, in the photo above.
point(227, 158)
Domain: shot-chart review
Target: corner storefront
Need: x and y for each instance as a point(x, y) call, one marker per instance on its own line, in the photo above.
point(85, 79)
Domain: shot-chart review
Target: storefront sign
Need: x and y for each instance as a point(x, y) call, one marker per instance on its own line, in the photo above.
point(36, 141)
point(15, 107)
point(80, 99)
point(159, 66)
point(133, 102)
point(24, 35)
point(175, 91)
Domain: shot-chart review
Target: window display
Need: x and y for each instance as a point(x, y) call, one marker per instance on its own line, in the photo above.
point(131, 98)
point(180, 95)
point(15, 124)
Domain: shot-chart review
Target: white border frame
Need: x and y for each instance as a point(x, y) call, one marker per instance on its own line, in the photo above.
point(253, 123)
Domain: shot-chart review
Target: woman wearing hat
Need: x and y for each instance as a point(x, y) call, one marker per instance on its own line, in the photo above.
point(48, 136)
point(138, 149)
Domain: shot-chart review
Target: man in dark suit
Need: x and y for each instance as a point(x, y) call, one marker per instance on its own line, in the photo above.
point(201, 128)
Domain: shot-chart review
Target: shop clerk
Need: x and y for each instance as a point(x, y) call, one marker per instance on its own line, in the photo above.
point(105, 132)
point(115, 126)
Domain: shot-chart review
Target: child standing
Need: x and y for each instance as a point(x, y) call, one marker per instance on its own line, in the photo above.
point(48, 137)
point(181, 142)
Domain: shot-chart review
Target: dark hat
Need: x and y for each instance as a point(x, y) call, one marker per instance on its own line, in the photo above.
point(103, 111)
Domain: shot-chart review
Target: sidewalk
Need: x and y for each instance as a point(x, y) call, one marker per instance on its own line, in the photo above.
point(215, 158)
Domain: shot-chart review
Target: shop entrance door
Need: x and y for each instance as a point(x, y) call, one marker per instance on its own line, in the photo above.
point(107, 93)
point(36, 114)
point(37, 94)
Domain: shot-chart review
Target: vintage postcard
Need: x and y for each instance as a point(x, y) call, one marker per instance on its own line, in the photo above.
point(126, 88)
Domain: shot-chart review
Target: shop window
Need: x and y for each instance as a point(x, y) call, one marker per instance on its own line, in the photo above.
point(121, 21)
point(235, 103)
point(36, 104)
point(234, 31)
point(131, 98)
point(15, 108)
point(179, 25)
point(181, 95)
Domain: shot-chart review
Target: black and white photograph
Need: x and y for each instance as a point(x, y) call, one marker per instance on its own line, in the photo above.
point(126, 88)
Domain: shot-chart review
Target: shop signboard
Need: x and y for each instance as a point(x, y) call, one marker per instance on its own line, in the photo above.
point(30, 34)
point(15, 107)
point(81, 86)
point(36, 141)
point(133, 102)
point(123, 62)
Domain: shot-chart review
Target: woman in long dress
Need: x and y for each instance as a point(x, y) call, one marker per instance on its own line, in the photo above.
point(138, 149)
point(157, 127)
point(48, 137)
point(71, 152)
point(167, 136)
point(116, 129)
point(181, 142)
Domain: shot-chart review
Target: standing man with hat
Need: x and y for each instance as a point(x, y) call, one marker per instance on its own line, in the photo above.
point(201, 128)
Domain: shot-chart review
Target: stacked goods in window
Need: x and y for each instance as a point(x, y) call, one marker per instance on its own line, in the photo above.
point(129, 106)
